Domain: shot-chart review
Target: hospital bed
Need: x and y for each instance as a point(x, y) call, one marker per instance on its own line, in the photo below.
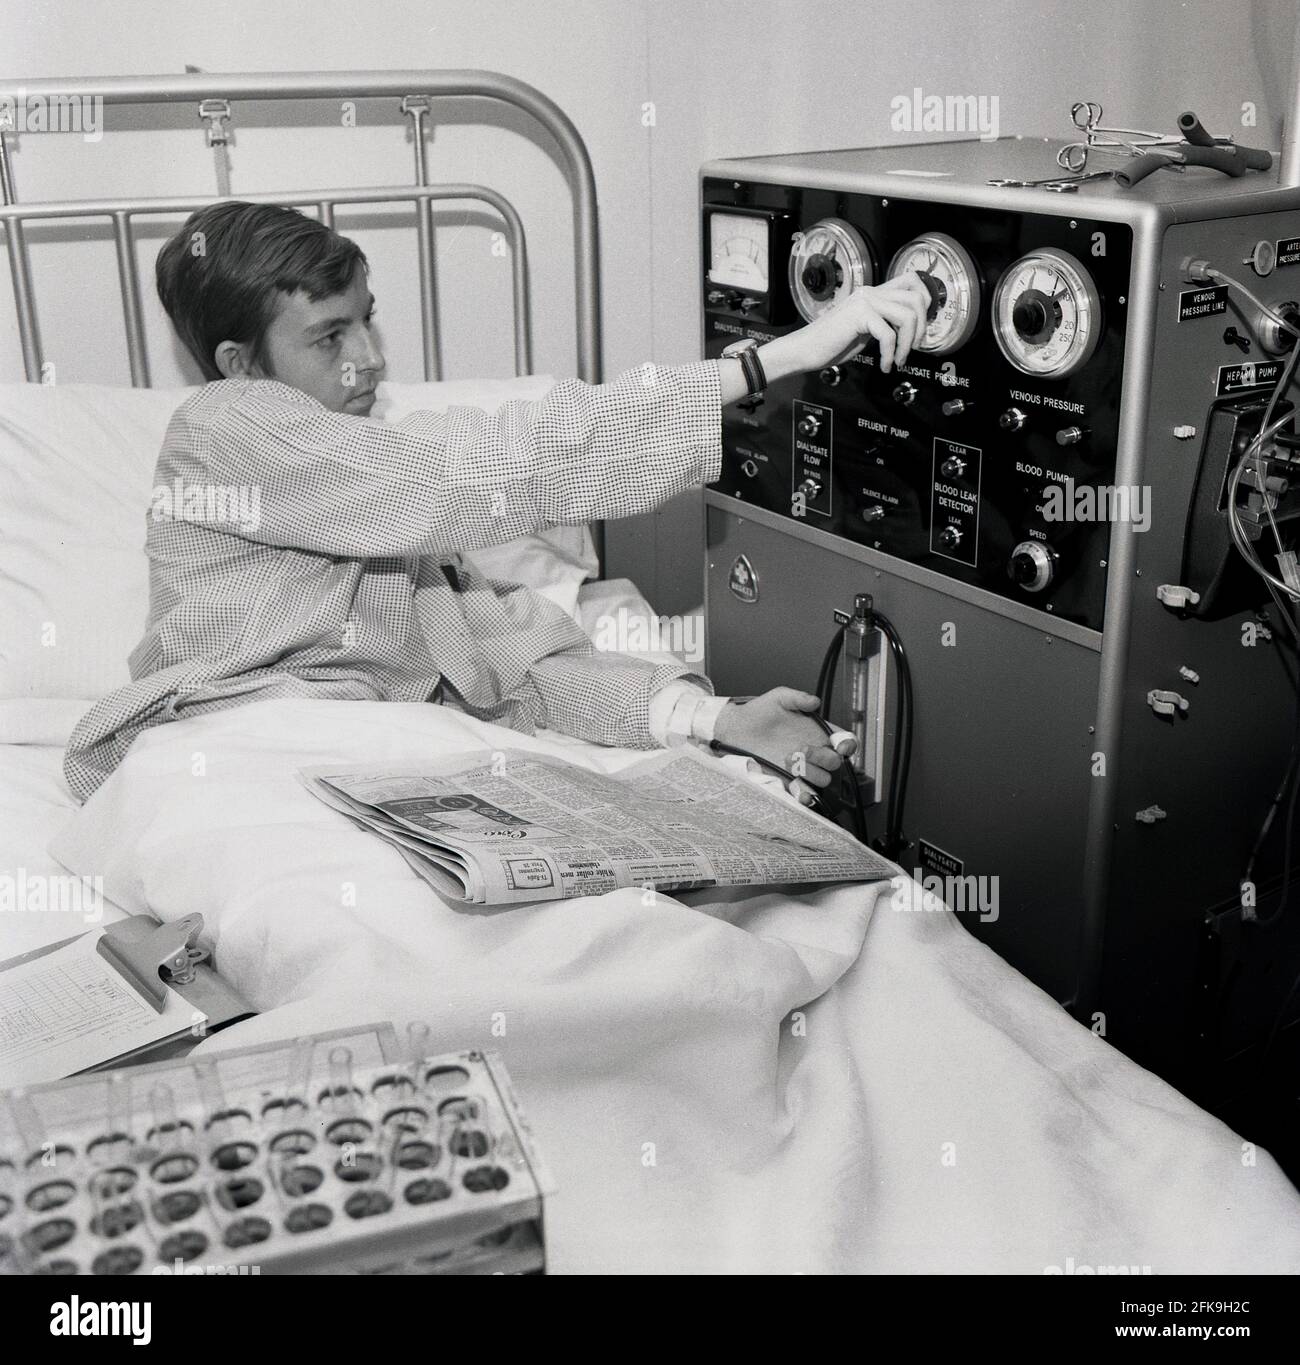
point(838, 1079)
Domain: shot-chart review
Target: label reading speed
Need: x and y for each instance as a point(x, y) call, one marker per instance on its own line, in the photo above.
point(1047, 314)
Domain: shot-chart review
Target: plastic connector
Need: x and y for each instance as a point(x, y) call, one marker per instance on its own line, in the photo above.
point(1196, 271)
point(1177, 597)
point(1290, 572)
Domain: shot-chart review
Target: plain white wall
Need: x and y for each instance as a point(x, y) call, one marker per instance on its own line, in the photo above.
point(725, 77)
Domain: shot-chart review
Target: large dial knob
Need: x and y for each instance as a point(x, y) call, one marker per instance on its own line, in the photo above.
point(1031, 565)
point(827, 263)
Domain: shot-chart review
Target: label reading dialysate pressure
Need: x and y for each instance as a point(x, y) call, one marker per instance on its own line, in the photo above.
point(935, 861)
point(1201, 303)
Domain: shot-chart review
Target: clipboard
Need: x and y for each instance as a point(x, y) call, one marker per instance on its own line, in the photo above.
point(151, 957)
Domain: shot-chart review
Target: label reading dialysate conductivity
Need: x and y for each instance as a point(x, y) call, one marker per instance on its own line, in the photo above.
point(1201, 303)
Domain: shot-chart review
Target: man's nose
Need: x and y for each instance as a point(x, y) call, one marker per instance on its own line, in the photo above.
point(368, 355)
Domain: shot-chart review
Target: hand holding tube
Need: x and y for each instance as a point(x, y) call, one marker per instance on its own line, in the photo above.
point(780, 728)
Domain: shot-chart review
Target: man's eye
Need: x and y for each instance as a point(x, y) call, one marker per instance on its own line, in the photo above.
point(329, 340)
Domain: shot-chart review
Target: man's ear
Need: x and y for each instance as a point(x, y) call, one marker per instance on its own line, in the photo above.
point(233, 360)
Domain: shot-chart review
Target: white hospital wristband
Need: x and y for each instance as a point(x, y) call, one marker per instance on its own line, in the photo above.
point(682, 712)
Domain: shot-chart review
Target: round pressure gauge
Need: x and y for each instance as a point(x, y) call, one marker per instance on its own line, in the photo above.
point(827, 264)
point(949, 274)
point(1047, 314)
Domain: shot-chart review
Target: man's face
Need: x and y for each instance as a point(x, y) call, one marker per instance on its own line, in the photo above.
point(327, 348)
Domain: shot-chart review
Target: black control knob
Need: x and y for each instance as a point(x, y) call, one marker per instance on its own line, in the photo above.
point(953, 467)
point(950, 537)
point(831, 375)
point(905, 394)
point(1036, 316)
point(821, 276)
point(1011, 420)
point(1031, 565)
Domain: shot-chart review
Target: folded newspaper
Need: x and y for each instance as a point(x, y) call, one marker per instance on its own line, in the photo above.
point(504, 826)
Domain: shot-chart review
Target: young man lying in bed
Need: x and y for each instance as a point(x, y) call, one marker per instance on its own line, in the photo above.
point(347, 584)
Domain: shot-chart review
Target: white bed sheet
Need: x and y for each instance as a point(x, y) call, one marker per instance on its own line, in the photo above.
point(782, 1082)
point(35, 804)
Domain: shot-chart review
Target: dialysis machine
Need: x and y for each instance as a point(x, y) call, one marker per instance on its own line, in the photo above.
point(1104, 695)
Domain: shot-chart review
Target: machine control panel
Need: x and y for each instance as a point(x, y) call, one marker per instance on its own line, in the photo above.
point(971, 459)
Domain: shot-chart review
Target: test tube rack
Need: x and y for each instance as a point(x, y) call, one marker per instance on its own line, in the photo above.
point(327, 1154)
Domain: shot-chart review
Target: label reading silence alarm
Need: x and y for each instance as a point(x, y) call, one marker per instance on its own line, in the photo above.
point(1247, 375)
point(1201, 303)
point(1288, 251)
point(935, 861)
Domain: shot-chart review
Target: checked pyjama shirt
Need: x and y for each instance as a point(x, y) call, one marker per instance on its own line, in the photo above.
point(348, 582)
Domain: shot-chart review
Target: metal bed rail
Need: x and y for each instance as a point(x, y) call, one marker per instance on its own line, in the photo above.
point(214, 95)
point(122, 214)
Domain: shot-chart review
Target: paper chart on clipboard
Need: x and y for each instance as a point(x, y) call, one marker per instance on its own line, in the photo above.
point(69, 1009)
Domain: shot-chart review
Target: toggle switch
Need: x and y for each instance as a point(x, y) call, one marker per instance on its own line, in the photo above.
point(750, 468)
point(1070, 436)
point(950, 537)
point(873, 511)
point(1011, 420)
point(953, 467)
point(905, 394)
point(831, 375)
point(954, 407)
point(809, 489)
point(809, 424)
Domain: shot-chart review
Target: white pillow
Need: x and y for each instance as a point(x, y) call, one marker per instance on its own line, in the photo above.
point(76, 471)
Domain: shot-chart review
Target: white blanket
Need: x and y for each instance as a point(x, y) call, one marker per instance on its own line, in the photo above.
point(783, 1082)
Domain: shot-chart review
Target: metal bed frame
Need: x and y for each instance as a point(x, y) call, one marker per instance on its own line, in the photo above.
point(214, 95)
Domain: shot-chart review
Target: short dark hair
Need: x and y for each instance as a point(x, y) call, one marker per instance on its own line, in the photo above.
point(220, 276)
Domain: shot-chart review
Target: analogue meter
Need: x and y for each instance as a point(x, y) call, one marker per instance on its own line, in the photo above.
point(1047, 314)
point(738, 251)
point(827, 263)
point(949, 274)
